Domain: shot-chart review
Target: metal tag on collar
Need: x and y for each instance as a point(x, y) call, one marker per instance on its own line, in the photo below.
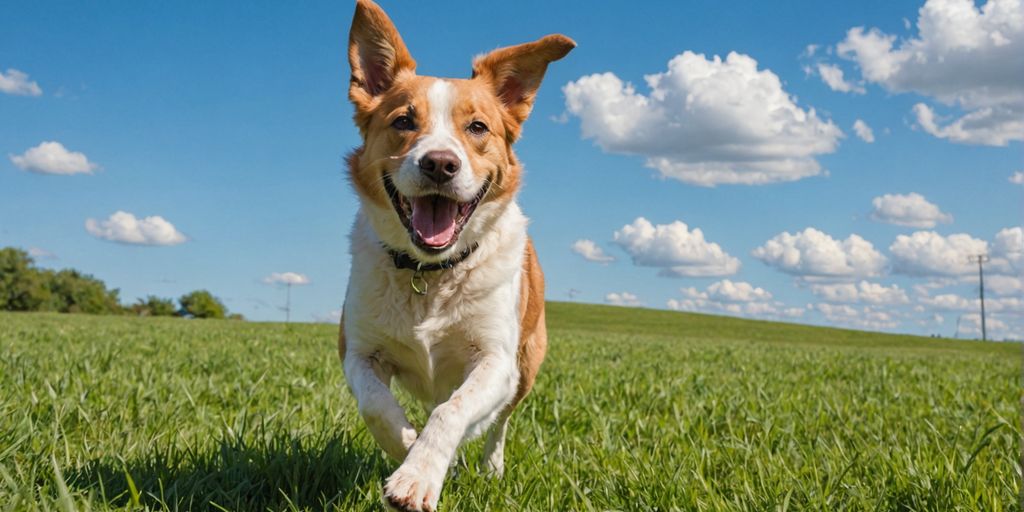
point(418, 282)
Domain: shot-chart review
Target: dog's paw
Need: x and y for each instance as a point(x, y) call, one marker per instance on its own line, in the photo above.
point(409, 491)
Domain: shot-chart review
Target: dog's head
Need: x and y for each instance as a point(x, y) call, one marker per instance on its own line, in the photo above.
point(436, 166)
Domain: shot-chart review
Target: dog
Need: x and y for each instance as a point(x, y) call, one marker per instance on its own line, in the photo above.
point(445, 295)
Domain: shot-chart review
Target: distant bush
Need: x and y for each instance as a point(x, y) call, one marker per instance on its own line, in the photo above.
point(201, 304)
point(23, 287)
point(154, 306)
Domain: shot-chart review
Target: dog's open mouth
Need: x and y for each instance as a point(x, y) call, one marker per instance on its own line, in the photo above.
point(434, 221)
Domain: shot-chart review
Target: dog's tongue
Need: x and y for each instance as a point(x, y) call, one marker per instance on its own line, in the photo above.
point(433, 218)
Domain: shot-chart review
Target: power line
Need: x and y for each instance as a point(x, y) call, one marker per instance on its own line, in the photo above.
point(981, 260)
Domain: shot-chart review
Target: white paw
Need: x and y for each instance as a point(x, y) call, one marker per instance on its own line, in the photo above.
point(410, 491)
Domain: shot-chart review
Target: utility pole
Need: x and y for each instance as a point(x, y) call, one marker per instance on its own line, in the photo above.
point(288, 306)
point(981, 260)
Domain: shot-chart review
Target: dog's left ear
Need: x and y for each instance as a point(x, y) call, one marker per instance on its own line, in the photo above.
point(515, 73)
point(376, 54)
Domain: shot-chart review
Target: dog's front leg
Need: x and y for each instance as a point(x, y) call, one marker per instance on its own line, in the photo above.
point(380, 410)
point(416, 485)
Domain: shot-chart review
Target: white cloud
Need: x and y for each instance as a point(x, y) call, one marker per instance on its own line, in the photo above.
point(675, 249)
point(286, 278)
point(911, 210)
point(728, 291)
point(927, 253)
point(866, 317)
point(863, 292)
point(123, 227)
point(41, 254)
point(733, 298)
point(863, 131)
point(964, 56)
point(1017, 178)
point(17, 83)
point(53, 158)
point(705, 122)
point(622, 299)
point(811, 253)
point(986, 126)
point(1008, 251)
point(833, 78)
point(591, 251)
point(954, 302)
point(1003, 285)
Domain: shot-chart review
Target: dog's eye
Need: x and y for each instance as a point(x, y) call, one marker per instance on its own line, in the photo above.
point(477, 128)
point(403, 123)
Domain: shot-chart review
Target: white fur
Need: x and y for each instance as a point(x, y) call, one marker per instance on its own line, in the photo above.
point(454, 349)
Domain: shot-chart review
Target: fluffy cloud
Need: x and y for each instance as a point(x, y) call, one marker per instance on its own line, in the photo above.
point(860, 318)
point(622, 299)
point(954, 302)
point(733, 298)
point(862, 292)
point(963, 56)
point(124, 228)
point(292, 278)
point(985, 126)
point(41, 254)
point(927, 253)
point(833, 78)
point(728, 291)
point(1017, 178)
point(17, 83)
point(911, 210)
point(863, 131)
point(53, 158)
point(705, 122)
point(675, 249)
point(1008, 251)
point(811, 253)
point(591, 251)
point(1003, 285)
point(746, 309)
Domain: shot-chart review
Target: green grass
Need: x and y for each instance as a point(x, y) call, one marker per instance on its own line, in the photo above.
point(634, 410)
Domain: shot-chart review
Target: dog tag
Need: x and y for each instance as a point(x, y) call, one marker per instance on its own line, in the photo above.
point(418, 282)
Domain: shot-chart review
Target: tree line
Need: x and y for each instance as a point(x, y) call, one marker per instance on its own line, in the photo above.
point(25, 287)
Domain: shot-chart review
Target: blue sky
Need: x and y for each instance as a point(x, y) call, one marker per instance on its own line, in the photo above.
point(230, 124)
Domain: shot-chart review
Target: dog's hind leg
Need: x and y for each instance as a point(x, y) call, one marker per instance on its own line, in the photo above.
point(494, 449)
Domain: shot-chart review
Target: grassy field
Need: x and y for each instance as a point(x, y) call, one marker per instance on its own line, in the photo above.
point(634, 410)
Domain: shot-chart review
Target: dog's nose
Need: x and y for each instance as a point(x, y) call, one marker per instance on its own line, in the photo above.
point(440, 166)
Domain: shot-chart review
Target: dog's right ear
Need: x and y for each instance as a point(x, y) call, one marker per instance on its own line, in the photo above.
point(376, 53)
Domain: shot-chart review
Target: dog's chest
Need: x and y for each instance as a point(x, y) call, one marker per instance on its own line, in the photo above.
point(428, 341)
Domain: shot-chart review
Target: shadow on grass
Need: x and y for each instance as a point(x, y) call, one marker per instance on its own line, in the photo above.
point(278, 472)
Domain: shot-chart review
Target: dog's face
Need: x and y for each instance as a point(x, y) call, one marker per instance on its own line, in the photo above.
point(436, 166)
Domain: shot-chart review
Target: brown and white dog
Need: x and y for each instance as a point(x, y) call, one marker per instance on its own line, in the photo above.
point(446, 295)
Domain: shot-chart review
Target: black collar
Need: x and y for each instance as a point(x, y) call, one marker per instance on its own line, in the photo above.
point(404, 261)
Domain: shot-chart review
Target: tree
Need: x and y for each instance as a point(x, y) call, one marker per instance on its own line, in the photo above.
point(22, 286)
point(74, 292)
point(201, 304)
point(154, 306)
